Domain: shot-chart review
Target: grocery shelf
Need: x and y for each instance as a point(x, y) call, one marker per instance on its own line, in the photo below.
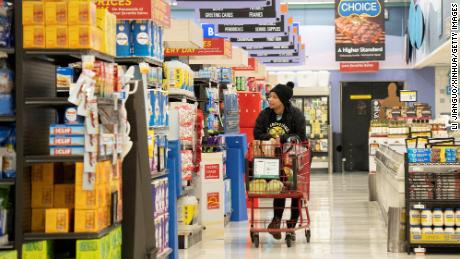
point(181, 94)
point(60, 101)
point(9, 246)
point(68, 236)
point(205, 80)
point(138, 60)
point(7, 50)
point(433, 167)
point(165, 254)
point(8, 181)
point(35, 159)
point(160, 174)
point(11, 118)
point(443, 201)
point(67, 55)
point(159, 127)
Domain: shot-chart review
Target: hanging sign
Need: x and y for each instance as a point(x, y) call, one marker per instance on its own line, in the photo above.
point(270, 39)
point(157, 10)
point(278, 27)
point(252, 66)
point(287, 47)
point(360, 30)
point(235, 15)
point(195, 4)
point(280, 54)
point(211, 47)
point(211, 171)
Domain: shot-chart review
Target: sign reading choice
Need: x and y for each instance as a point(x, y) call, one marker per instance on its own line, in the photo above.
point(360, 30)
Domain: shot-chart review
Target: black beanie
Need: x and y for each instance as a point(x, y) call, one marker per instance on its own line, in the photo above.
point(284, 92)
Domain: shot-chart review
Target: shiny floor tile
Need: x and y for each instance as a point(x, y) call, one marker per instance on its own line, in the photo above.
point(344, 224)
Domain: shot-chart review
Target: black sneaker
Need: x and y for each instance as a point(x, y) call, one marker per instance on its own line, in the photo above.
point(275, 224)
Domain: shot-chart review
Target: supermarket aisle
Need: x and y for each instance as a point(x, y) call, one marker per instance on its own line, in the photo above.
point(344, 225)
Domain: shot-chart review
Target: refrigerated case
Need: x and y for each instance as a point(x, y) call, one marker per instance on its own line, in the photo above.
point(314, 103)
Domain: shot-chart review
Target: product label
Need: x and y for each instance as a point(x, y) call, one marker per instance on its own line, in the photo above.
point(143, 38)
point(213, 200)
point(122, 39)
point(211, 171)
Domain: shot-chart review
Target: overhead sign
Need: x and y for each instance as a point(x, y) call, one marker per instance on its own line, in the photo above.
point(360, 30)
point(240, 15)
point(221, 3)
point(269, 39)
point(157, 10)
point(252, 66)
point(211, 47)
point(287, 47)
point(280, 54)
point(359, 67)
point(279, 28)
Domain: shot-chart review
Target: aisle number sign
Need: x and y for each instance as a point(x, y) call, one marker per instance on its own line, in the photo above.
point(157, 10)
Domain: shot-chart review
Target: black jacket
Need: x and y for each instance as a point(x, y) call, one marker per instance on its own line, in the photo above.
point(292, 123)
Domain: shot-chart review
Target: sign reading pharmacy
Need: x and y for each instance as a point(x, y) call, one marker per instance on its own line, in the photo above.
point(360, 30)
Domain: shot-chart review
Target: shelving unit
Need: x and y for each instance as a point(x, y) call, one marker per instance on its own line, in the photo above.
point(432, 174)
point(7, 50)
point(68, 236)
point(137, 60)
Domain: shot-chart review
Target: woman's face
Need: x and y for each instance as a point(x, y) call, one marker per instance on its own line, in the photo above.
point(274, 101)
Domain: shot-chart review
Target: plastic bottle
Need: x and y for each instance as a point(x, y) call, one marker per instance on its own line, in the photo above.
point(438, 217)
point(427, 218)
point(457, 217)
point(438, 230)
point(449, 230)
point(449, 217)
point(427, 230)
point(9, 162)
point(415, 230)
point(415, 218)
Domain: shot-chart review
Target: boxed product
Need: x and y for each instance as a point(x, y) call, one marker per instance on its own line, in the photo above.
point(42, 174)
point(34, 36)
point(64, 129)
point(42, 196)
point(57, 37)
point(89, 220)
point(67, 150)
point(142, 38)
point(93, 248)
point(90, 199)
point(33, 13)
point(82, 13)
point(38, 250)
point(124, 38)
point(57, 220)
point(38, 220)
point(56, 13)
point(64, 196)
point(66, 140)
point(64, 77)
point(9, 254)
point(84, 37)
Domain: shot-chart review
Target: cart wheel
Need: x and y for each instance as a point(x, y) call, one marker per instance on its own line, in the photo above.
point(308, 235)
point(288, 240)
point(256, 240)
point(252, 236)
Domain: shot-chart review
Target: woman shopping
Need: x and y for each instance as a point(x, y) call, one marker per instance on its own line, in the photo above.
point(277, 123)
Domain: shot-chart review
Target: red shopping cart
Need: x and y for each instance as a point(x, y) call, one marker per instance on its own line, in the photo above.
point(279, 171)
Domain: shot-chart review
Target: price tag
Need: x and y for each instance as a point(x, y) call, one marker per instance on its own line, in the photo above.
point(266, 168)
point(419, 206)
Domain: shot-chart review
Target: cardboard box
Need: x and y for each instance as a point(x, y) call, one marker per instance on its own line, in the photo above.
point(64, 196)
point(57, 220)
point(94, 248)
point(42, 174)
point(88, 220)
point(89, 200)
point(34, 36)
point(33, 13)
point(42, 196)
point(57, 37)
point(38, 220)
point(82, 13)
point(82, 37)
point(56, 13)
point(9, 254)
point(37, 250)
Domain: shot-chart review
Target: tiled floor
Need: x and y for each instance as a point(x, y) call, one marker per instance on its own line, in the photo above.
point(344, 225)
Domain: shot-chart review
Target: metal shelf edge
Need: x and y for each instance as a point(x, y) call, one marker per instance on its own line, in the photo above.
point(69, 236)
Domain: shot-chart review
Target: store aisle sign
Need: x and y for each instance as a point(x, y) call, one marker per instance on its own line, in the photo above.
point(211, 47)
point(157, 10)
point(359, 67)
point(213, 200)
point(277, 27)
point(269, 11)
point(360, 30)
point(211, 172)
point(252, 66)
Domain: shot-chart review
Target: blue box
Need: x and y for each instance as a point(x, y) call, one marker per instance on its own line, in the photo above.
point(160, 99)
point(67, 151)
point(67, 140)
point(64, 129)
point(6, 104)
point(124, 39)
point(142, 38)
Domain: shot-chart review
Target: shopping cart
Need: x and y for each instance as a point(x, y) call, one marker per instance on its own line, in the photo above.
point(279, 171)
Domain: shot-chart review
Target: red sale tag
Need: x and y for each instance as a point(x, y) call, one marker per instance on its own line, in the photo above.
point(211, 171)
point(213, 201)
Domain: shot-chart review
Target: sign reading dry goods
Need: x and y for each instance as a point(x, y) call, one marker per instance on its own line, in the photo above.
point(360, 30)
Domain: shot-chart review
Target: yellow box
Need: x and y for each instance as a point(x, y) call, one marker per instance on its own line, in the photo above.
point(34, 36)
point(38, 220)
point(56, 13)
point(38, 249)
point(57, 221)
point(102, 18)
point(33, 13)
point(42, 196)
point(88, 220)
point(82, 13)
point(82, 37)
point(88, 200)
point(57, 36)
point(43, 174)
point(64, 196)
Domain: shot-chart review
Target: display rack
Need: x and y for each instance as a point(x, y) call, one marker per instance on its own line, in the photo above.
point(428, 196)
point(322, 157)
